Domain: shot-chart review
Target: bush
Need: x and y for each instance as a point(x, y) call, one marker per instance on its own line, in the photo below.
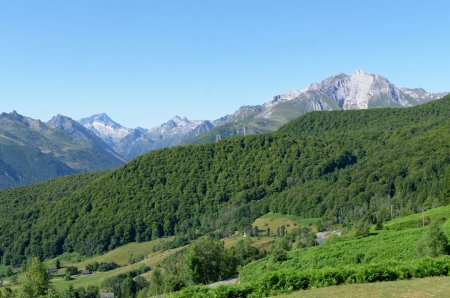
point(192, 291)
point(280, 250)
point(232, 291)
point(72, 270)
point(434, 244)
point(101, 267)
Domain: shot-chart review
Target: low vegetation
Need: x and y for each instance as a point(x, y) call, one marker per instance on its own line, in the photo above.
point(437, 287)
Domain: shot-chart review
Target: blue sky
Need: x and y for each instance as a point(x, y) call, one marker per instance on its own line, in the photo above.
point(143, 62)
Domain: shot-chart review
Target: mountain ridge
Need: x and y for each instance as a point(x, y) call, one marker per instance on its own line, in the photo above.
point(32, 150)
point(97, 142)
point(342, 166)
point(359, 90)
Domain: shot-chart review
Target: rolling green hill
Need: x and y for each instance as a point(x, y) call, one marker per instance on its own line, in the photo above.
point(341, 166)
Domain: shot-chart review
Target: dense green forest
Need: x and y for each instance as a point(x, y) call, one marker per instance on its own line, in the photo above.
point(341, 166)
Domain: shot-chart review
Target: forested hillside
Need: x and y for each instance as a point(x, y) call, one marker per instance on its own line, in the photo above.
point(342, 166)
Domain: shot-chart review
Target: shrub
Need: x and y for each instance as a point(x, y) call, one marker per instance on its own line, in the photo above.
point(434, 244)
point(192, 291)
point(101, 267)
point(232, 291)
point(71, 270)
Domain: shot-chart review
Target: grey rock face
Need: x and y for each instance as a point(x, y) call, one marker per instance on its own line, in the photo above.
point(130, 143)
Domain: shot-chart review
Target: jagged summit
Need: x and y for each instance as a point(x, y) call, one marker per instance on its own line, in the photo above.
point(100, 118)
point(14, 116)
point(129, 142)
point(104, 127)
point(359, 90)
point(61, 121)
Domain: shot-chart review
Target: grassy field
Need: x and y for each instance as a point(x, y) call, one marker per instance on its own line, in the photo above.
point(97, 278)
point(119, 255)
point(273, 221)
point(424, 287)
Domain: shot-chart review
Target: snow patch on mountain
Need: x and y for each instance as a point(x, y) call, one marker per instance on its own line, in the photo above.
point(104, 127)
point(130, 143)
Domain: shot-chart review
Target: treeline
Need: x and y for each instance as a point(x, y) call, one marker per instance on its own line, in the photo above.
point(342, 166)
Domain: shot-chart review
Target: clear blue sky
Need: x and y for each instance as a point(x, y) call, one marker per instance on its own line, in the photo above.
point(143, 62)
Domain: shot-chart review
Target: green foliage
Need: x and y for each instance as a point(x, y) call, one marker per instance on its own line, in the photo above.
point(392, 246)
point(417, 220)
point(243, 252)
point(126, 285)
point(101, 267)
point(35, 281)
point(6, 271)
point(6, 293)
point(207, 261)
point(231, 291)
point(280, 250)
point(89, 292)
point(362, 228)
point(134, 259)
point(434, 244)
point(72, 270)
point(57, 264)
point(285, 281)
point(339, 166)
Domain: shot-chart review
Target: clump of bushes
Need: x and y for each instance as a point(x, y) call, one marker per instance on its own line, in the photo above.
point(134, 259)
point(101, 267)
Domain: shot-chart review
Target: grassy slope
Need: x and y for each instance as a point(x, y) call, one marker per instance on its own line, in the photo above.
point(396, 242)
point(416, 220)
point(273, 221)
point(151, 260)
point(122, 254)
point(425, 287)
point(119, 256)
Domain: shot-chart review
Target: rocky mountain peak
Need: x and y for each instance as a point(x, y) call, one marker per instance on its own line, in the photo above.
point(104, 127)
point(102, 119)
point(61, 121)
point(27, 121)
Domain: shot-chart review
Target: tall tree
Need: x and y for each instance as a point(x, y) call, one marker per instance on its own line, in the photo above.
point(435, 242)
point(206, 260)
point(35, 281)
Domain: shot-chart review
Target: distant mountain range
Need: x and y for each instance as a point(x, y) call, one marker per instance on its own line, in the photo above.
point(130, 143)
point(31, 150)
point(359, 90)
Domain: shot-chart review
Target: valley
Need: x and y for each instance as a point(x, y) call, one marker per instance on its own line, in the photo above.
point(379, 178)
point(224, 149)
